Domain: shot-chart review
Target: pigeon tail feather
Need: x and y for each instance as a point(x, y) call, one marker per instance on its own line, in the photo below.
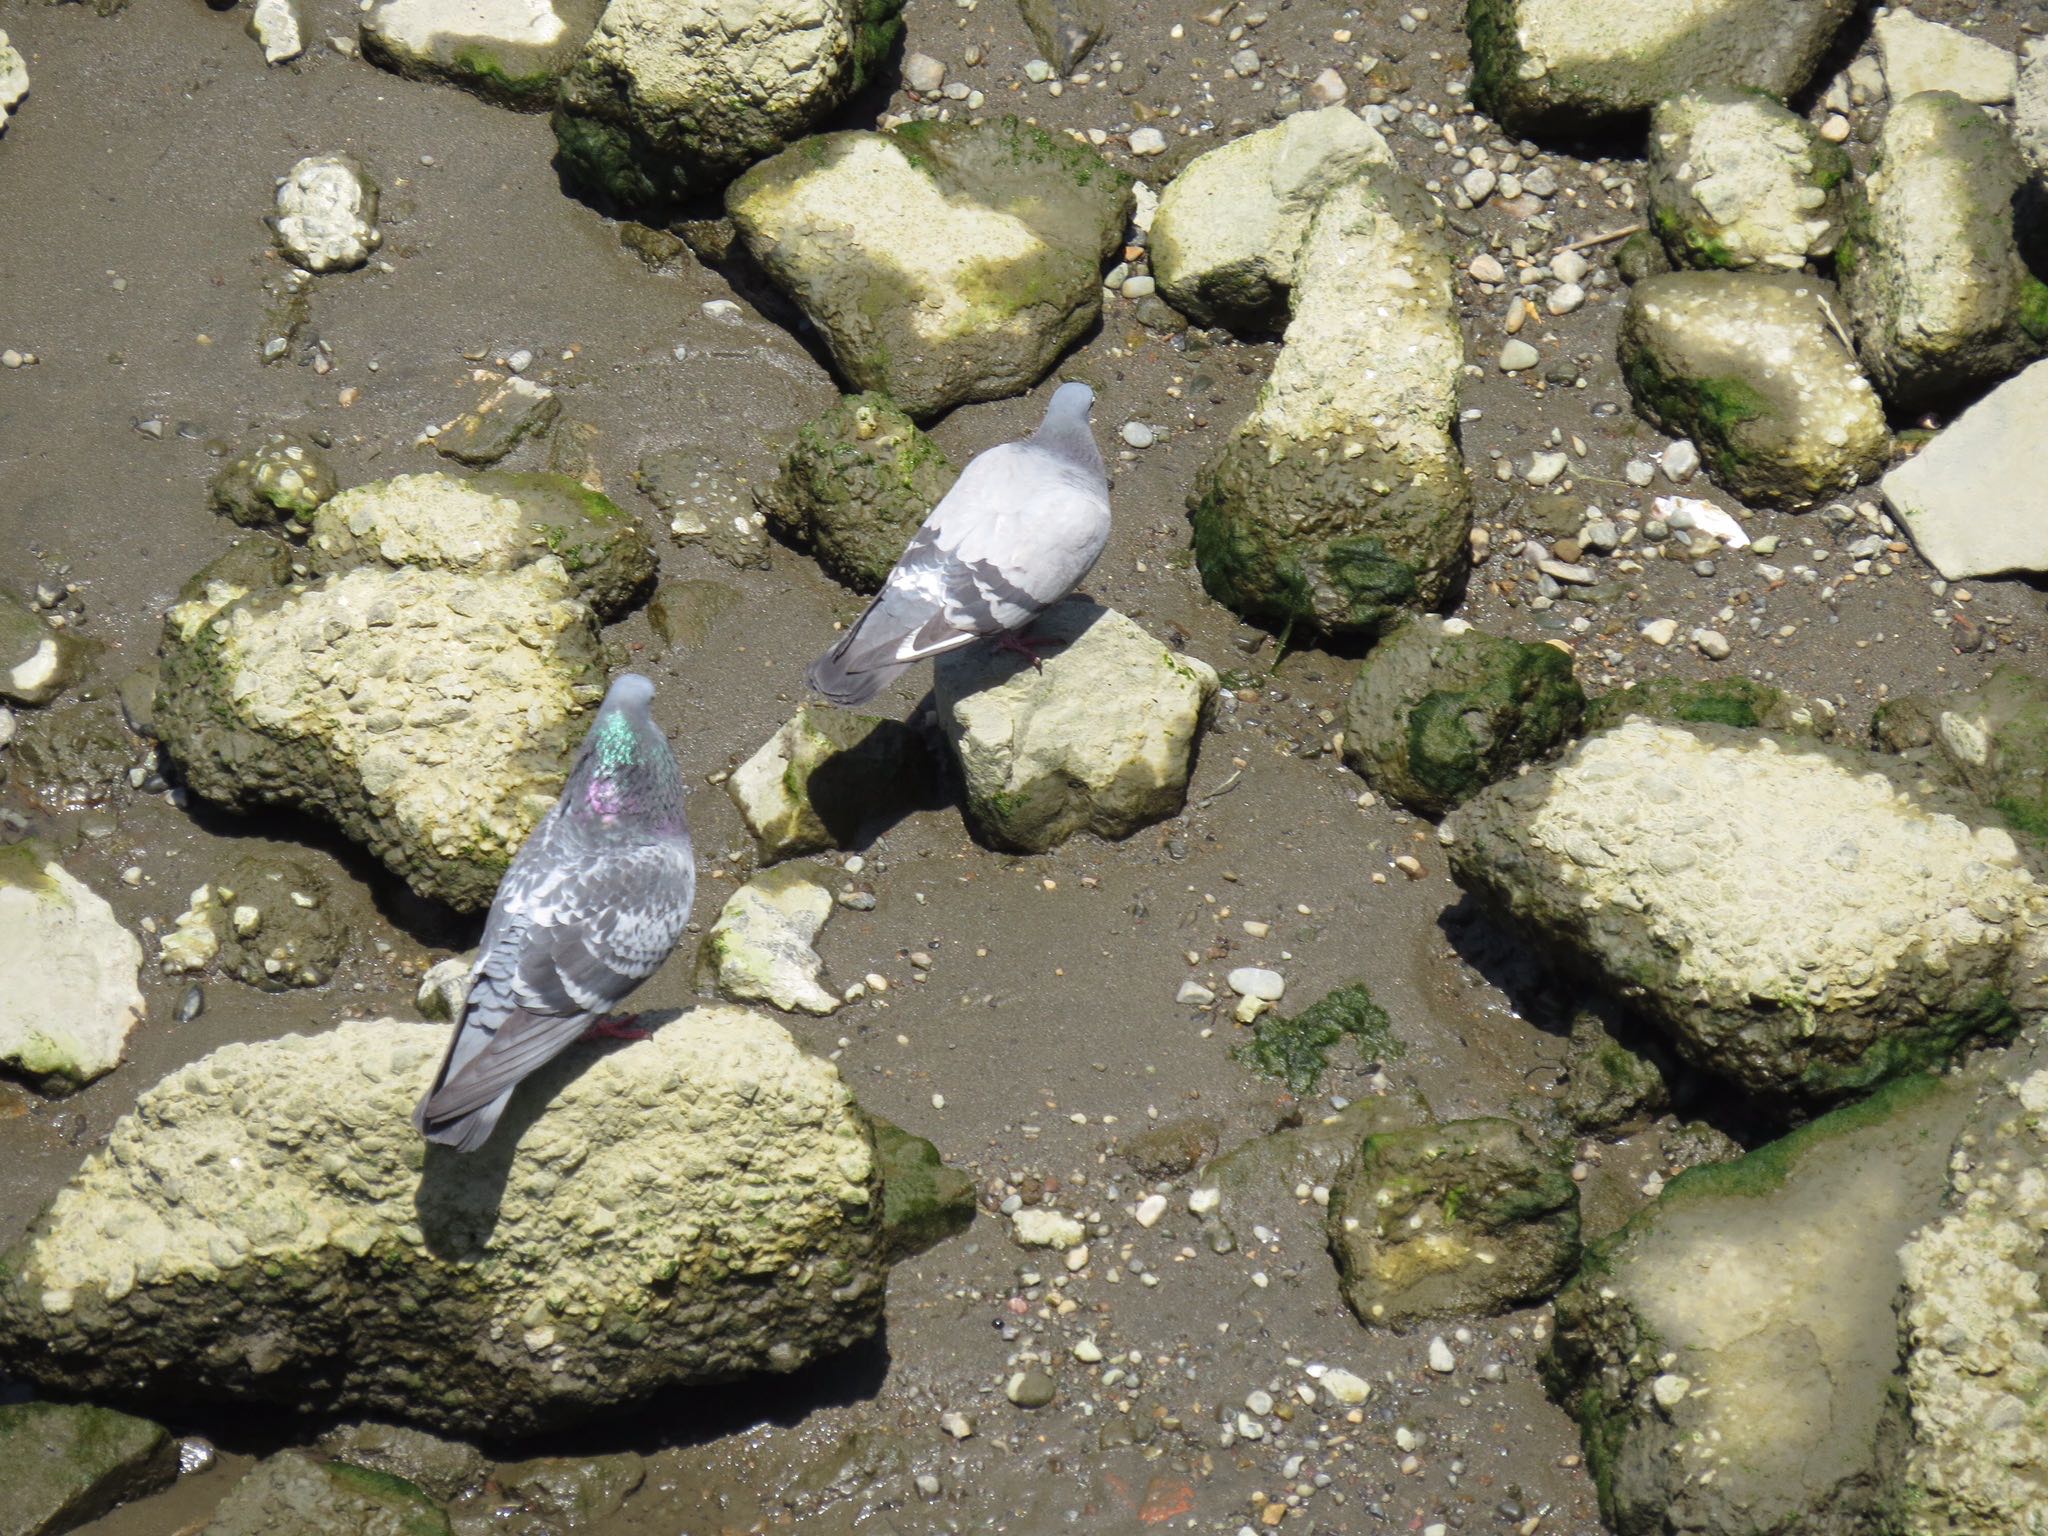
point(465, 1133)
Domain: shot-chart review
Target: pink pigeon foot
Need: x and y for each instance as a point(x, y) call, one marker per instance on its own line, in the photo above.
point(1021, 645)
point(617, 1026)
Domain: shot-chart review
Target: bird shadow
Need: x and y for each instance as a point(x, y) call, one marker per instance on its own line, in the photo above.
point(460, 1194)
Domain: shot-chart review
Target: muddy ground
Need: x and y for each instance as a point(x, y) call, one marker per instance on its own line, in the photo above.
point(132, 255)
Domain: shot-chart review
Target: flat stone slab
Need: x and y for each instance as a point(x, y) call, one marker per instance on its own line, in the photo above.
point(1974, 501)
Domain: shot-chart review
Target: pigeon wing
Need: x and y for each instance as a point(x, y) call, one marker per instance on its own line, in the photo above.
point(568, 949)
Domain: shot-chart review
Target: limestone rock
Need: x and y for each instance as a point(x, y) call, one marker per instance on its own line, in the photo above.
point(1970, 500)
point(1229, 226)
point(267, 1228)
point(1100, 739)
point(1742, 1326)
point(36, 662)
point(1474, 1216)
point(1341, 500)
point(70, 1463)
point(1677, 865)
point(1927, 56)
point(1973, 1329)
point(1736, 180)
point(510, 51)
point(759, 950)
point(2030, 113)
point(672, 98)
point(1754, 369)
point(490, 523)
point(294, 1494)
point(275, 25)
point(277, 479)
point(1932, 267)
point(430, 714)
point(1993, 739)
point(943, 262)
point(13, 79)
point(854, 487)
point(327, 214)
point(1439, 711)
point(1566, 65)
point(71, 996)
point(824, 777)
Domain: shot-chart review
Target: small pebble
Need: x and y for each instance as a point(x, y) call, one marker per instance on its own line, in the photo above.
point(1568, 266)
point(923, 73)
point(1150, 1209)
point(1681, 461)
point(1660, 631)
point(1192, 991)
point(1137, 434)
point(1441, 1360)
point(1487, 269)
point(1147, 141)
point(1565, 298)
point(1517, 356)
point(1256, 981)
point(1712, 644)
point(1030, 1389)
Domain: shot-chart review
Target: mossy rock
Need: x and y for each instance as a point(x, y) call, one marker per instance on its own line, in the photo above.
point(1474, 1216)
point(64, 1464)
point(1737, 701)
point(924, 1200)
point(278, 479)
point(1616, 1076)
point(1440, 710)
point(295, 1494)
point(854, 487)
point(1992, 740)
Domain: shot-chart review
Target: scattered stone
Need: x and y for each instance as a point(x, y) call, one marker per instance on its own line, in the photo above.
point(1040, 1226)
point(444, 990)
point(1147, 141)
point(706, 499)
point(271, 921)
point(923, 74)
point(944, 263)
point(275, 24)
point(509, 51)
point(1439, 712)
point(1228, 235)
point(1766, 1286)
point(1972, 1327)
point(327, 214)
point(71, 997)
point(1675, 862)
point(1737, 180)
point(202, 1244)
point(1066, 30)
point(854, 487)
point(1193, 993)
point(1296, 1051)
point(278, 478)
point(1712, 643)
point(1754, 369)
point(294, 1494)
point(495, 522)
point(1256, 981)
point(294, 697)
point(1100, 738)
point(1518, 356)
point(1927, 56)
point(1326, 90)
point(13, 80)
point(826, 777)
point(760, 950)
point(1680, 461)
point(509, 413)
point(1341, 500)
point(1137, 434)
point(1030, 1389)
point(1992, 740)
point(1970, 500)
point(36, 662)
point(1941, 296)
point(68, 1464)
point(670, 99)
point(1566, 65)
point(1439, 1221)
point(1660, 631)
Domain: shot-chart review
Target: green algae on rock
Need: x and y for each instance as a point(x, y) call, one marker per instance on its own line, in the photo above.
point(1296, 1050)
point(1756, 370)
point(498, 521)
point(295, 1494)
point(67, 1464)
point(924, 1200)
point(1569, 66)
point(1440, 710)
point(428, 713)
point(854, 487)
point(1676, 865)
point(1615, 1075)
point(278, 479)
point(941, 262)
point(1341, 500)
point(267, 1228)
point(1731, 1354)
point(1472, 1216)
point(1938, 284)
point(1736, 701)
point(670, 99)
point(1739, 180)
point(1099, 738)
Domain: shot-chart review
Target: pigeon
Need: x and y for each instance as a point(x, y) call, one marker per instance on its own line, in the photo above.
point(1017, 532)
point(589, 909)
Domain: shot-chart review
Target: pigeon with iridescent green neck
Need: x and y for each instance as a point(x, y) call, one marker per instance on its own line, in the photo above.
point(589, 909)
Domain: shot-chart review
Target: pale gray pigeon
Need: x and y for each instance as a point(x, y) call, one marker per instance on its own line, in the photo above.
point(589, 909)
point(1020, 528)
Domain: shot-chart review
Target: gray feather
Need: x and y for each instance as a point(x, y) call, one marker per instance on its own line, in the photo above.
point(1021, 527)
point(589, 909)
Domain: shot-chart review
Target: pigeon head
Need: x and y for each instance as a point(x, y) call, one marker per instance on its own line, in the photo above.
point(1070, 401)
point(626, 769)
point(1065, 430)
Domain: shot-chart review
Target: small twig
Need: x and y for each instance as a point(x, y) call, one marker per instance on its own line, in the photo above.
point(1221, 790)
point(1612, 234)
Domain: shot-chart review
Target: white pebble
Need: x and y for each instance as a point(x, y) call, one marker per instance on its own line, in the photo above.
point(1150, 1209)
point(1256, 981)
point(1441, 1360)
point(1147, 141)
